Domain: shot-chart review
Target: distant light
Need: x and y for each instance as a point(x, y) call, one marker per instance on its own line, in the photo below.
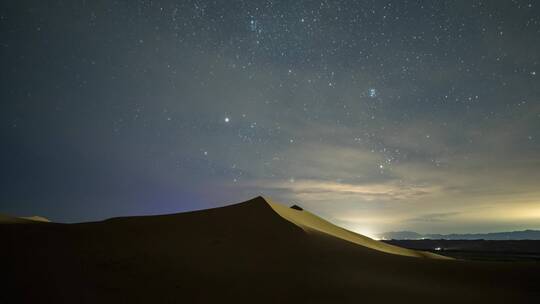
point(372, 93)
point(227, 119)
point(438, 248)
point(366, 231)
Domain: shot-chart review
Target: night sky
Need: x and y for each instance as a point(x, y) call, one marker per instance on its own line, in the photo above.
point(377, 115)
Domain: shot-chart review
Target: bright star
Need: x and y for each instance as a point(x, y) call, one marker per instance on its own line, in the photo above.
point(253, 25)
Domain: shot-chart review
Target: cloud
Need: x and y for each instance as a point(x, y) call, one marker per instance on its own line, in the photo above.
point(434, 217)
point(315, 190)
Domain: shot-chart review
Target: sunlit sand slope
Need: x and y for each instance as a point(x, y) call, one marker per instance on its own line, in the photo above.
point(4, 219)
point(314, 224)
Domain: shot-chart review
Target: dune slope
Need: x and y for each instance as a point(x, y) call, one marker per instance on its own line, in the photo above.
point(252, 252)
point(5, 219)
point(314, 224)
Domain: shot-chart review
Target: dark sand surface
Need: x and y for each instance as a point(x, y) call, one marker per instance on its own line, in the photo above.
point(243, 253)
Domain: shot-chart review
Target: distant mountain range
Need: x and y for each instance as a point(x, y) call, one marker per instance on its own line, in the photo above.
point(511, 235)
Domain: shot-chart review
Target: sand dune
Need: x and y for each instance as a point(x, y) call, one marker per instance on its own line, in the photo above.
point(252, 252)
point(5, 219)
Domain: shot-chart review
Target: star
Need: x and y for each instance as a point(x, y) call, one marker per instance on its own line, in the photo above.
point(304, 84)
point(253, 25)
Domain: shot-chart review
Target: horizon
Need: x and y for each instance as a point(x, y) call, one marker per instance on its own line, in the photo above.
point(374, 235)
point(379, 117)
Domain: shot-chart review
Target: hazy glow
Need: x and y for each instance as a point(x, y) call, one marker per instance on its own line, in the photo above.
point(365, 231)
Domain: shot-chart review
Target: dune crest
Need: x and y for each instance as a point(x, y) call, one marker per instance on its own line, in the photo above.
point(311, 223)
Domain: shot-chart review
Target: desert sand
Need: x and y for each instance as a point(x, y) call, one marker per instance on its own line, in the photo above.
point(253, 252)
point(6, 219)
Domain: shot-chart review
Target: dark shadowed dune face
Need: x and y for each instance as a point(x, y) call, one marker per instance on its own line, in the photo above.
point(243, 253)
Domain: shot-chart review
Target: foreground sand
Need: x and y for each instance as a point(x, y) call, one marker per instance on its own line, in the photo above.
point(253, 252)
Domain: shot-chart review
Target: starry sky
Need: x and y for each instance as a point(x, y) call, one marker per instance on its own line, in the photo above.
point(377, 115)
